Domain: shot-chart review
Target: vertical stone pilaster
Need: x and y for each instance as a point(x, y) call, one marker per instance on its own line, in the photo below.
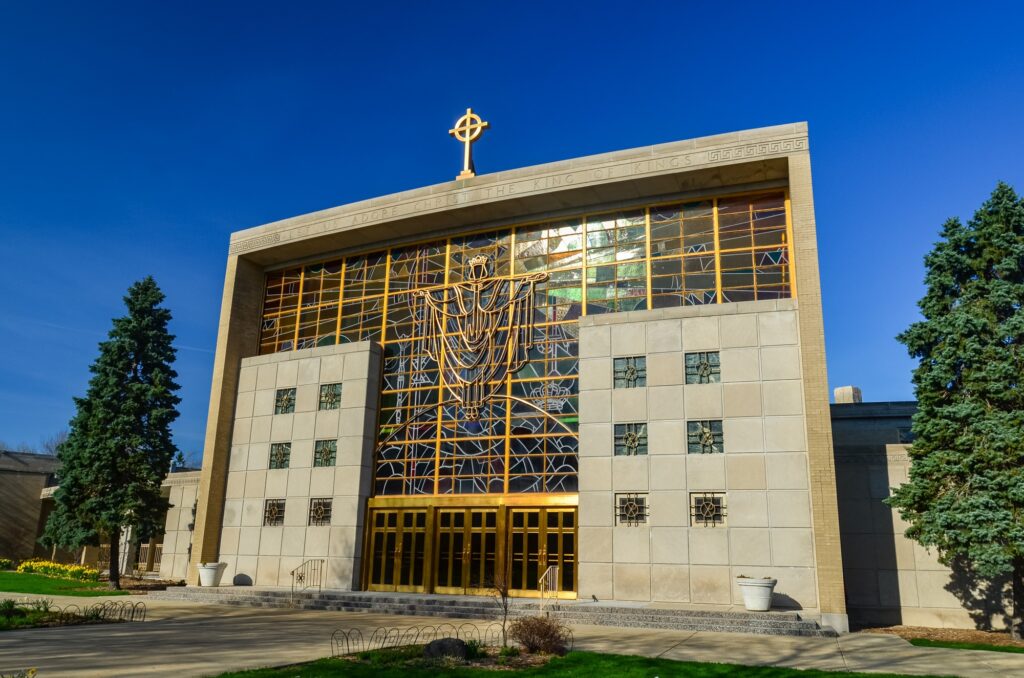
point(237, 338)
point(824, 504)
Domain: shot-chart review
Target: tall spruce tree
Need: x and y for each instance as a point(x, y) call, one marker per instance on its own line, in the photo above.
point(119, 448)
point(965, 495)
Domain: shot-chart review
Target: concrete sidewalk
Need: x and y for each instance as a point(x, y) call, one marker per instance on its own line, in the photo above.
point(188, 639)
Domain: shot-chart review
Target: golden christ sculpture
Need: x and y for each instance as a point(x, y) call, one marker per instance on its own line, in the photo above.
point(479, 331)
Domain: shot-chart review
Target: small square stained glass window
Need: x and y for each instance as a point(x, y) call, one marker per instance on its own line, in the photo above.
point(325, 452)
point(280, 455)
point(284, 401)
point(630, 509)
point(707, 509)
point(630, 372)
point(630, 439)
point(330, 396)
point(319, 512)
point(704, 437)
point(704, 367)
point(273, 512)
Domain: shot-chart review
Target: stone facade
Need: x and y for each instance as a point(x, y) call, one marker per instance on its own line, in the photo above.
point(891, 579)
point(22, 479)
point(256, 553)
point(762, 474)
point(182, 491)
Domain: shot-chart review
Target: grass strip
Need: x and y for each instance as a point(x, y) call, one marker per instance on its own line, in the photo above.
point(17, 582)
point(954, 645)
point(396, 664)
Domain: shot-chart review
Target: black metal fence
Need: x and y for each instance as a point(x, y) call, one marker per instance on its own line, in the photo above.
point(108, 612)
point(351, 641)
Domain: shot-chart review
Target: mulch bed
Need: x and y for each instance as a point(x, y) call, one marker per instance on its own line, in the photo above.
point(949, 635)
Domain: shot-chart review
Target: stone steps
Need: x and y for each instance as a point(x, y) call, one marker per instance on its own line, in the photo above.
point(477, 608)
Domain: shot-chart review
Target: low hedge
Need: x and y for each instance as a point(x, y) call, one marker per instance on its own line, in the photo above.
point(59, 570)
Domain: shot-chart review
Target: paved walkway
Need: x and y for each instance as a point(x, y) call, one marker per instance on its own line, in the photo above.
point(189, 639)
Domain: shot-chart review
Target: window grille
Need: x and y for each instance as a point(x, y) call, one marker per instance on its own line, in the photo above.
point(319, 512)
point(273, 512)
point(284, 401)
point(631, 509)
point(330, 396)
point(707, 509)
point(325, 452)
point(280, 455)
point(703, 368)
point(630, 439)
point(630, 372)
point(704, 437)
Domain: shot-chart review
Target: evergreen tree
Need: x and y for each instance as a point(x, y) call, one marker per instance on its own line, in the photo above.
point(119, 448)
point(965, 495)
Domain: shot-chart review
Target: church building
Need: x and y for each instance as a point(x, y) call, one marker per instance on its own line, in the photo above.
point(603, 376)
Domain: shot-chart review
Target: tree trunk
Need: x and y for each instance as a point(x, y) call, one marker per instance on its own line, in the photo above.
point(115, 559)
point(1017, 595)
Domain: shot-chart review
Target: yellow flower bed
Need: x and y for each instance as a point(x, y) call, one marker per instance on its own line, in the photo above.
point(52, 569)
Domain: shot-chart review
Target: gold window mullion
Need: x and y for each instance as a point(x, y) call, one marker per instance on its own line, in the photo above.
point(384, 301)
point(508, 430)
point(790, 249)
point(718, 254)
point(583, 279)
point(647, 237)
point(440, 378)
point(512, 252)
point(298, 308)
point(753, 240)
point(341, 299)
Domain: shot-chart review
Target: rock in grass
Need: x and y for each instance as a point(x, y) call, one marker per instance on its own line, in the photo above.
point(445, 647)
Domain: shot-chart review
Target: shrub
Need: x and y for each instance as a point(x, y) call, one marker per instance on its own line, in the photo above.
point(508, 651)
point(6, 564)
point(41, 605)
point(9, 608)
point(540, 634)
point(52, 569)
point(474, 650)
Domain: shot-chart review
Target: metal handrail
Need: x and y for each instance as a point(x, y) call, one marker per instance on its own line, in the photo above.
point(308, 575)
point(548, 582)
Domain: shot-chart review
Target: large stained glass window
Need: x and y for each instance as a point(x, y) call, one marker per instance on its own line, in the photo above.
point(522, 436)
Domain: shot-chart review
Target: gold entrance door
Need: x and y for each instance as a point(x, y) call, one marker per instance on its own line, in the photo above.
point(467, 550)
point(539, 538)
point(398, 541)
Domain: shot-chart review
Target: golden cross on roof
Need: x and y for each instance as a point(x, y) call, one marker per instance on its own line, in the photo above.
point(467, 129)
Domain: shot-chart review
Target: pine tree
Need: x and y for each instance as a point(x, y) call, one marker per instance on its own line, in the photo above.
point(965, 495)
point(119, 448)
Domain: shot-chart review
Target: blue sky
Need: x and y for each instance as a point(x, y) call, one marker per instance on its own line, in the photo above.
point(135, 137)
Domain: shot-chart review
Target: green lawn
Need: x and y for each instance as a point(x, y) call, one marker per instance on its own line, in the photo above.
point(16, 582)
point(578, 664)
point(925, 642)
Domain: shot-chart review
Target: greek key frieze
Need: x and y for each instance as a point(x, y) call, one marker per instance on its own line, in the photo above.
point(758, 149)
point(254, 243)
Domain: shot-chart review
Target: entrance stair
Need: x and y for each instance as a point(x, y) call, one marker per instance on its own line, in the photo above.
point(782, 623)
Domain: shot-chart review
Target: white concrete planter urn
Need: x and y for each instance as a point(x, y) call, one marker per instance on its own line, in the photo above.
point(209, 573)
point(757, 592)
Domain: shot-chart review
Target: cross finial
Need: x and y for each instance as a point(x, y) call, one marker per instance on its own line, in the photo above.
point(467, 129)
